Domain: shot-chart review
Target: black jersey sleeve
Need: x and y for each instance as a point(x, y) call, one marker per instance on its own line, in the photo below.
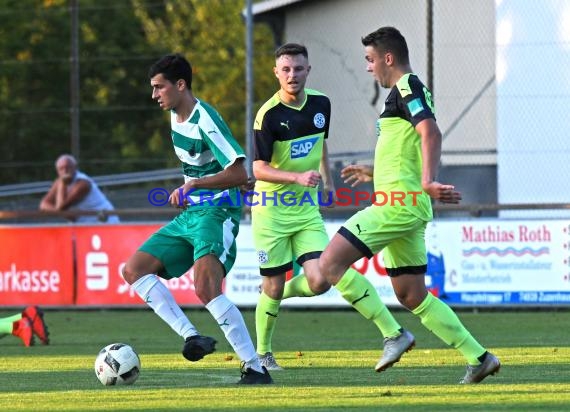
point(263, 140)
point(328, 116)
point(416, 100)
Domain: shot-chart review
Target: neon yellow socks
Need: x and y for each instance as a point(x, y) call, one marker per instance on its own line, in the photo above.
point(265, 318)
point(5, 327)
point(7, 324)
point(359, 292)
point(297, 286)
point(438, 318)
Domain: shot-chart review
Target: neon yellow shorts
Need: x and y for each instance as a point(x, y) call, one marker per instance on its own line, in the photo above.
point(396, 231)
point(278, 242)
point(193, 234)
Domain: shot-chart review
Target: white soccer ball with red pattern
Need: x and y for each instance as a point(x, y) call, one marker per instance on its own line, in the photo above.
point(117, 364)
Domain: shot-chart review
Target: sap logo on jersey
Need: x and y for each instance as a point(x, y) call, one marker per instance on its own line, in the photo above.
point(302, 147)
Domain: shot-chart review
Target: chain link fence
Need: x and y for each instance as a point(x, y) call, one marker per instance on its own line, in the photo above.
point(502, 122)
point(498, 70)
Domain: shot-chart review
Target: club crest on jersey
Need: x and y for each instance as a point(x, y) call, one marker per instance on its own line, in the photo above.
point(262, 257)
point(303, 147)
point(319, 120)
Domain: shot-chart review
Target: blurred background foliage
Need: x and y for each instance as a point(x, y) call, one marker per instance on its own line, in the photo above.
point(121, 128)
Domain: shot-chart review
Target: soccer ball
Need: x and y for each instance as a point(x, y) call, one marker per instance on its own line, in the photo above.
point(117, 364)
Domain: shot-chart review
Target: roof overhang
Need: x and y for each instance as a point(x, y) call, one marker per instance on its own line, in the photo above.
point(269, 6)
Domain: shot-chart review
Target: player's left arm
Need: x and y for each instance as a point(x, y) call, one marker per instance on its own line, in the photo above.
point(431, 154)
point(327, 179)
point(324, 166)
point(233, 175)
point(325, 170)
point(228, 153)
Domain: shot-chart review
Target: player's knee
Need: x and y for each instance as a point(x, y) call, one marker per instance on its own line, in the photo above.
point(204, 295)
point(409, 299)
point(319, 286)
point(324, 264)
point(133, 270)
point(129, 274)
point(139, 265)
point(273, 289)
point(207, 284)
point(329, 269)
point(403, 299)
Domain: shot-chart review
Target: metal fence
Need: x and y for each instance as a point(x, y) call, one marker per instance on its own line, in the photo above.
point(499, 74)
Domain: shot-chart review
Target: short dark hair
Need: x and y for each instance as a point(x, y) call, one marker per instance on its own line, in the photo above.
point(291, 49)
point(173, 67)
point(389, 39)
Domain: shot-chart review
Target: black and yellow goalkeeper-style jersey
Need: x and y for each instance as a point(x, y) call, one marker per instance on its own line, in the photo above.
point(290, 138)
point(398, 154)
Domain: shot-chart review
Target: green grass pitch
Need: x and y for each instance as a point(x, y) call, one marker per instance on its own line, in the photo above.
point(329, 359)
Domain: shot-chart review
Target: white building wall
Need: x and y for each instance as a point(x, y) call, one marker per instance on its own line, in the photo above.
point(463, 58)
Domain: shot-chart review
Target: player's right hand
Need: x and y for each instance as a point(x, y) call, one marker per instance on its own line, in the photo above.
point(357, 174)
point(443, 193)
point(310, 178)
point(248, 187)
point(177, 197)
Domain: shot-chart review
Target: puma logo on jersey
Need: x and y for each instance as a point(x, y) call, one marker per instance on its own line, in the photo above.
point(303, 147)
point(285, 124)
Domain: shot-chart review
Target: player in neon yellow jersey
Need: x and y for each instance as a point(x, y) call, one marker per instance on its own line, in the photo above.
point(406, 160)
point(290, 133)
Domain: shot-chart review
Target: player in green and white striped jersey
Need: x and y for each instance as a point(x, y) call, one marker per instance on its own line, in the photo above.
point(205, 146)
point(203, 235)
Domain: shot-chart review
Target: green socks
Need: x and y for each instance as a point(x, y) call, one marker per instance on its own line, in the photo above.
point(359, 292)
point(265, 317)
point(437, 317)
point(297, 286)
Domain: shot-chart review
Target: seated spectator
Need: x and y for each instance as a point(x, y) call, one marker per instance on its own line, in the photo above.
point(74, 190)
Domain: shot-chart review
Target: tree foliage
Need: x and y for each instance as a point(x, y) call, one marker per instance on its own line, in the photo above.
point(211, 35)
point(34, 104)
point(121, 128)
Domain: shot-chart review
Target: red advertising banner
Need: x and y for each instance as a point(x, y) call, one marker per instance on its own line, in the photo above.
point(101, 253)
point(487, 262)
point(36, 266)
